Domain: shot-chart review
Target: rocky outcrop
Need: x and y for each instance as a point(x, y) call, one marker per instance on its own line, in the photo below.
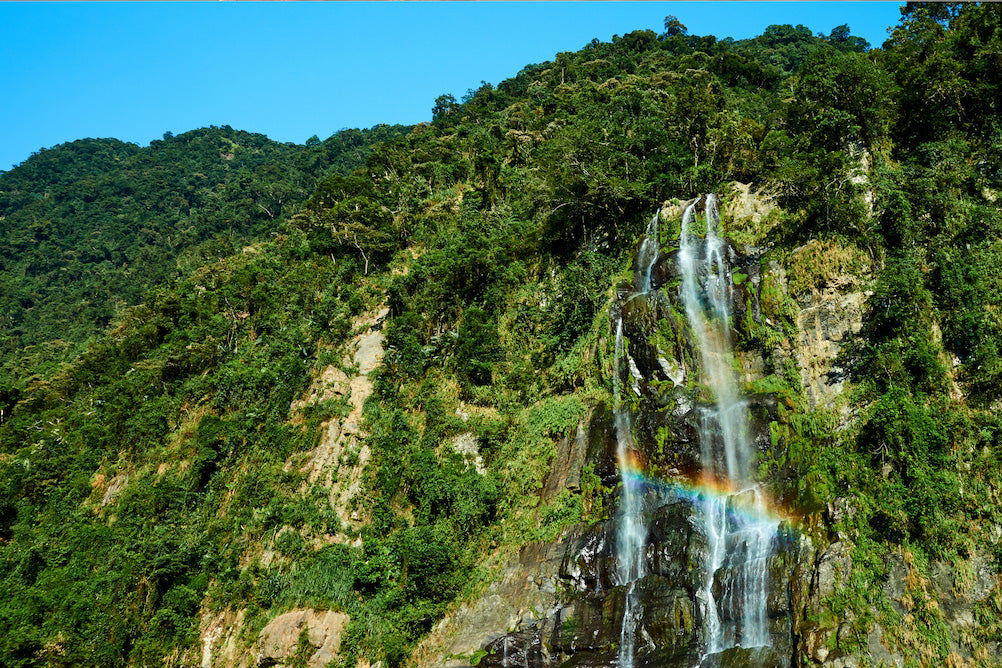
point(337, 463)
point(748, 214)
point(955, 591)
point(524, 592)
point(340, 458)
point(220, 640)
point(818, 577)
point(584, 627)
point(958, 592)
point(283, 636)
point(826, 322)
point(310, 636)
point(565, 470)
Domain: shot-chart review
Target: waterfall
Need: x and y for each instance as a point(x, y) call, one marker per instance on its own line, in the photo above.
point(737, 526)
point(647, 256)
point(685, 562)
point(740, 533)
point(632, 534)
point(714, 342)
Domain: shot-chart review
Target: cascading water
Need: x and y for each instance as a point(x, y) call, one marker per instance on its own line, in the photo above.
point(632, 534)
point(685, 561)
point(739, 530)
point(647, 255)
point(705, 258)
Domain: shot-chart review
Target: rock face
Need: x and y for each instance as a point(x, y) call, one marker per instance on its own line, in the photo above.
point(572, 452)
point(525, 592)
point(825, 323)
point(281, 638)
point(341, 457)
point(337, 463)
point(585, 629)
point(669, 599)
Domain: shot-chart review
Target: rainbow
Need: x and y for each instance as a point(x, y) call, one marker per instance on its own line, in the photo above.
point(699, 489)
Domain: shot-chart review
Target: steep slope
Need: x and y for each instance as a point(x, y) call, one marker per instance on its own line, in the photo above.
point(197, 486)
point(89, 226)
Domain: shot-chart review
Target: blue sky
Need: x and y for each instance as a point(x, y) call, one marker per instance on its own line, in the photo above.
point(294, 69)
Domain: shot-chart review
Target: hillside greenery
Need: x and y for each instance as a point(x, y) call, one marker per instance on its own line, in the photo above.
point(89, 226)
point(145, 468)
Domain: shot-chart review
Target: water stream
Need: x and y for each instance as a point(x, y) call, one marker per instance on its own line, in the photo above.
point(736, 523)
point(647, 256)
point(632, 534)
point(731, 510)
point(685, 562)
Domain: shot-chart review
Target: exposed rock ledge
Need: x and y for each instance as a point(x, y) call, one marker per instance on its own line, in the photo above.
point(524, 592)
point(279, 640)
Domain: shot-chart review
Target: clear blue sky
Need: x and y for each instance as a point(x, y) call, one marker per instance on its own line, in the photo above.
point(291, 69)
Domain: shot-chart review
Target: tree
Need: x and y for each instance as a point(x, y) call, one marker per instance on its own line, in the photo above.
point(477, 347)
point(674, 27)
point(445, 106)
point(841, 98)
point(841, 38)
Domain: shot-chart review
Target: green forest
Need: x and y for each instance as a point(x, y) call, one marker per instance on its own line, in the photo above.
point(166, 311)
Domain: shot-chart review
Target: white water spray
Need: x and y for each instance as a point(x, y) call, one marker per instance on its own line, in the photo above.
point(739, 533)
point(647, 256)
point(712, 333)
point(737, 526)
point(632, 536)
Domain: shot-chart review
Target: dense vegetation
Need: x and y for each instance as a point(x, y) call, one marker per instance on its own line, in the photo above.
point(89, 226)
point(141, 480)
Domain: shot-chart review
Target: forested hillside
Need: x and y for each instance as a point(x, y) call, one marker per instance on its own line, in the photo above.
point(89, 226)
point(235, 447)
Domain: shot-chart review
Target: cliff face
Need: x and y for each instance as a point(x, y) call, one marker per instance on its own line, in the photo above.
point(563, 601)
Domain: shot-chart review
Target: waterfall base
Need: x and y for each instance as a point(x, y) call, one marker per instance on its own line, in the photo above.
point(669, 625)
point(739, 657)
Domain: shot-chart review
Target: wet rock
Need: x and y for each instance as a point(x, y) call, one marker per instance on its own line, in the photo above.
point(785, 569)
point(741, 657)
point(601, 446)
point(816, 575)
point(665, 274)
point(671, 620)
point(675, 546)
point(589, 563)
point(671, 368)
point(587, 632)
